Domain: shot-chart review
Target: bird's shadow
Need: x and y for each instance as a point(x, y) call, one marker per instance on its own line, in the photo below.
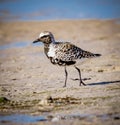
point(98, 83)
point(103, 83)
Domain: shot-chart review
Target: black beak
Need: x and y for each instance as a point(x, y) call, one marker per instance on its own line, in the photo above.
point(35, 41)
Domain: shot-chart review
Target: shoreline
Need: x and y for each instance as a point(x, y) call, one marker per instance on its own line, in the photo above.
point(56, 20)
point(20, 31)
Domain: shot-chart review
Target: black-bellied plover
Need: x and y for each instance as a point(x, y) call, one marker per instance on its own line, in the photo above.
point(63, 53)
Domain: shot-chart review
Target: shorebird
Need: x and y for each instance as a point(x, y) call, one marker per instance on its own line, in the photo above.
point(63, 53)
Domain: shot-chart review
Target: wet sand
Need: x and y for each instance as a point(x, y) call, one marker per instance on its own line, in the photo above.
point(34, 86)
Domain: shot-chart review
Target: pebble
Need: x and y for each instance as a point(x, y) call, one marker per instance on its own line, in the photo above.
point(55, 119)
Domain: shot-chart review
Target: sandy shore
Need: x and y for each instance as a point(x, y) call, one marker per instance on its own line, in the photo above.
point(28, 79)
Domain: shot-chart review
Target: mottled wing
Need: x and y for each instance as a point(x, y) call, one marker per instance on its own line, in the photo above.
point(67, 52)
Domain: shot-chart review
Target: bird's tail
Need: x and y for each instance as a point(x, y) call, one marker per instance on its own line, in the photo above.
point(86, 54)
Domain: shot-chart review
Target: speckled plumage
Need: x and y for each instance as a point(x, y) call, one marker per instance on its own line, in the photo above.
point(62, 53)
point(67, 52)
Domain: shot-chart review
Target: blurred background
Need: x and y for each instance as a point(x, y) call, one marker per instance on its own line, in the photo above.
point(30, 10)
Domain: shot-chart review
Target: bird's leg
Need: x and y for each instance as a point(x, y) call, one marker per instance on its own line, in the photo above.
point(81, 82)
point(66, 74)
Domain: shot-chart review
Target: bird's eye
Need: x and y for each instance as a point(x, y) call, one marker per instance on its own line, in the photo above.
point(44, 36)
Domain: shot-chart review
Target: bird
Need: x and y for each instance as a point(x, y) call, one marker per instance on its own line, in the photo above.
point(63, 53)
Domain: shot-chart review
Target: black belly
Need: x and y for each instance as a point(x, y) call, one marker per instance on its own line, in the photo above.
point(61, 62)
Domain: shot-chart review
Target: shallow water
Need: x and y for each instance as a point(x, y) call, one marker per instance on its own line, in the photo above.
point(20, 118)
point(18, 45)
point(26, 119)
point(14, 45)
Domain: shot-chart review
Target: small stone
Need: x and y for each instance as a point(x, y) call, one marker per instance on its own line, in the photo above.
point(55, 119)
point(100, 70)
point(3, 89)
point(3, 100)
point(46, 101)
point(14, 79)
point(117, 118)
point(43, 102)
point(50, 99)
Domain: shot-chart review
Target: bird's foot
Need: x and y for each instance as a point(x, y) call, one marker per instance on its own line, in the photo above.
point(64, 86)
point(81, 82)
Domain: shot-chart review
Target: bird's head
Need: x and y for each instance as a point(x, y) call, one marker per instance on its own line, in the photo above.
point(46, 37)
